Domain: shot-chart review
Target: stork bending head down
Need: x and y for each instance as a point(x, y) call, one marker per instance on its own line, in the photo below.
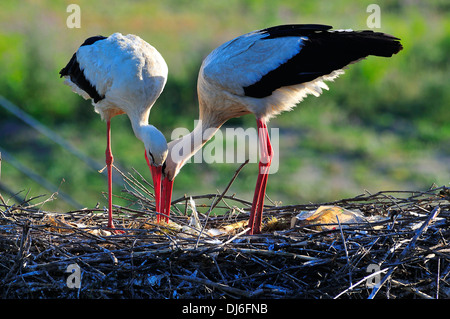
point(266, 72)
point(122, 74)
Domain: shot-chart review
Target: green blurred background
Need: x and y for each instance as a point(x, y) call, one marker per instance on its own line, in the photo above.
point(384, 124)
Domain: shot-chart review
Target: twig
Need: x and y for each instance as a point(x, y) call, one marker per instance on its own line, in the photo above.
point(405, 251)
point(415, 291)
point(235, 236)
point(272, 253)
point(346, 251)
point(236, 173)
point(364, 280)
point(223, 287)
point(209, 196)
point(437, 277)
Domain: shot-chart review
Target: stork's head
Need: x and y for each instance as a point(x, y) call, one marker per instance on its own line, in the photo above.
point(155, 155)
point(155, 149)
point(175, 160)
point(155, 145)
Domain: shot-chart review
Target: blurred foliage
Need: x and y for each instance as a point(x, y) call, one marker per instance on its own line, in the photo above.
point(385, 124)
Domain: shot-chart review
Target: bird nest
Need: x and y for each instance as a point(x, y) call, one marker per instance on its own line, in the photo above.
point(383, 245)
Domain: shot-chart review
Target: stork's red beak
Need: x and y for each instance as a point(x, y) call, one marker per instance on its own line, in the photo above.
point(156, 176)
point(167, 186)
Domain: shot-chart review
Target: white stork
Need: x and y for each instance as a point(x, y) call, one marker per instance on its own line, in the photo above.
point(266, 72)
point(122, 74)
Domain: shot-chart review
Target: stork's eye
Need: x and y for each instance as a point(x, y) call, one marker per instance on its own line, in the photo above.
point(151, 155)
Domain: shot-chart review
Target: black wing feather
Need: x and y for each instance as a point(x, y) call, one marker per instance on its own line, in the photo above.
point(323, 52)
point(73, 70)
point(295, 30)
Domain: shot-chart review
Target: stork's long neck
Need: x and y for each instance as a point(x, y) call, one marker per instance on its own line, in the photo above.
point(139, 122)
point(182, 149)
point(188, 145)
point(154, 141)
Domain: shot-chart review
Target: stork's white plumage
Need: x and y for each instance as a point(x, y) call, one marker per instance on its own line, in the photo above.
point(266, 72)
point(122, 74)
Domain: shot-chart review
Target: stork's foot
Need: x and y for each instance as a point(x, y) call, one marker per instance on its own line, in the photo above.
point(113, 229)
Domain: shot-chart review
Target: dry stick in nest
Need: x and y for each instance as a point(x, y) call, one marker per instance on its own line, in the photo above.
point(346, 251)
point(137, 185)
point(223, 287)
point(405, 251)
point(219, 199)
point(433, 214)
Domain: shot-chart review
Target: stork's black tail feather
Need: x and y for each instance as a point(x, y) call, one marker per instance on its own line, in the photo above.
point(368, 42)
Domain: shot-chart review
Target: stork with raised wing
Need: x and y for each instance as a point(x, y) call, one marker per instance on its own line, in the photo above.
point(266, 72)
point(122, 74)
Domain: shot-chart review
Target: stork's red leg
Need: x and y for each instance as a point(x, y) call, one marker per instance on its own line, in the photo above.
point(261, 183)
point(109, 162)
point(109, 159)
